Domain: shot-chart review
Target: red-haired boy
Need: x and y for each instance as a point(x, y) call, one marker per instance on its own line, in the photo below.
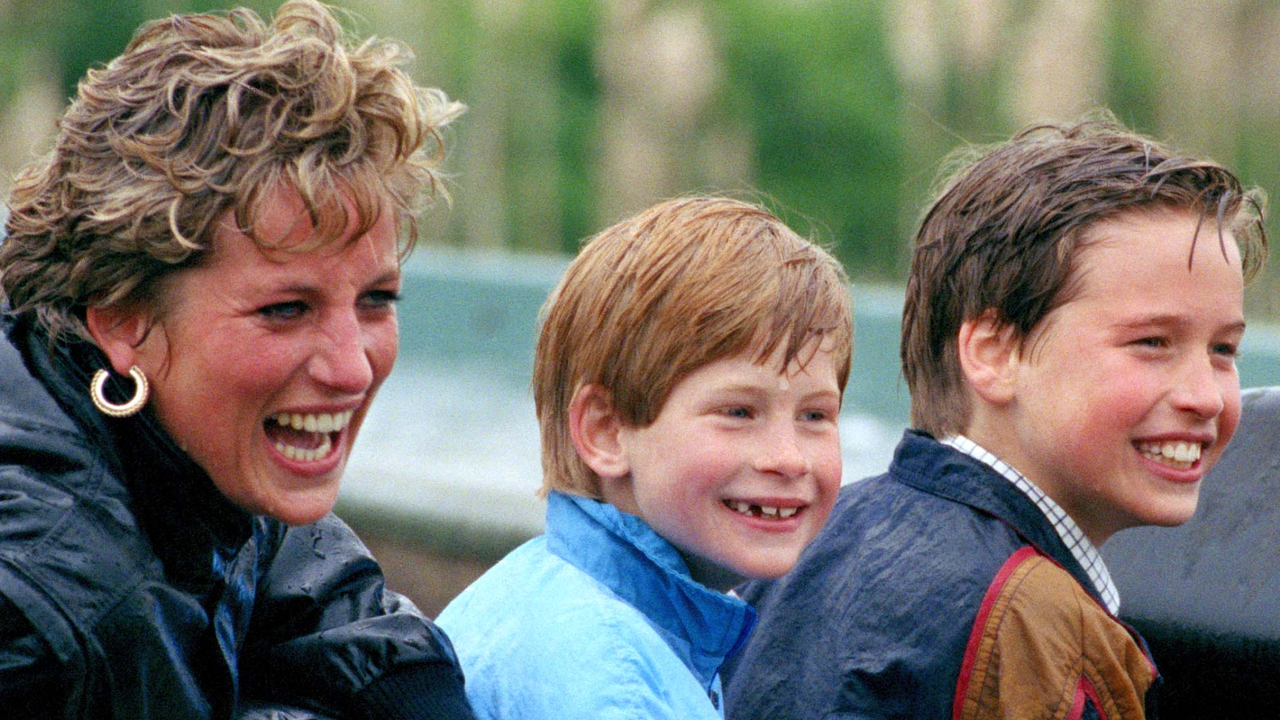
point(688, 379)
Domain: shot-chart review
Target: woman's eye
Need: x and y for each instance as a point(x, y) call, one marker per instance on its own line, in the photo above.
point(816, 415)
point(283, 311)
point(1153, 342)
point(743, 413)
point(381, 298)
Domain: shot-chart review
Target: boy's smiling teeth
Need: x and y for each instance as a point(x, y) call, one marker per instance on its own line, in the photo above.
point(1181, 455)
point(765, 511)
point(306, 437)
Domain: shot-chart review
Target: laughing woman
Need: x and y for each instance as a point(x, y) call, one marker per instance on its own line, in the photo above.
point(200, 283)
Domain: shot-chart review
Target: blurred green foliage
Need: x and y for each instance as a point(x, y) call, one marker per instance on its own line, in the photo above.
point(821, 96)
point(89, 36)
point(839, 142)
point(1131, 67)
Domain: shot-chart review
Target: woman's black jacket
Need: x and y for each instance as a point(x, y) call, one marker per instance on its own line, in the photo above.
point(131, 588)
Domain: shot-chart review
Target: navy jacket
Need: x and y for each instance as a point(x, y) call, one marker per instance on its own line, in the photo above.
point(936, 590)
point(131, 588)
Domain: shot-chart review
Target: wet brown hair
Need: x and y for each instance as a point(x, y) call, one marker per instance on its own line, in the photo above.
point(206, 113)
point(680, 285)
point(1005, 230)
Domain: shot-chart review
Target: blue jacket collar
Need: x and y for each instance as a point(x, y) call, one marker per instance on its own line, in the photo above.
point(702, 626)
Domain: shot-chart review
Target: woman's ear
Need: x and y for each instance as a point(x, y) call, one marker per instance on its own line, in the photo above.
point(119, 332)
point(595, 428)
point(989, 355)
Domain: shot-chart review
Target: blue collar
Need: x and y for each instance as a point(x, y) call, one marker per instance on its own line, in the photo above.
point(702, 626)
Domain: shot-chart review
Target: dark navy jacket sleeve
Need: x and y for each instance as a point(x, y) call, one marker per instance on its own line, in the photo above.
point(130, 587)
point(329, 636)
point(30, 676)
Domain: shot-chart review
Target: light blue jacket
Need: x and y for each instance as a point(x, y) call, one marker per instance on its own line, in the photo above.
point(598, 618)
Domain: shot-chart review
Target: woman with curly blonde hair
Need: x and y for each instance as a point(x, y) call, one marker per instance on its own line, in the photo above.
point(199, 287)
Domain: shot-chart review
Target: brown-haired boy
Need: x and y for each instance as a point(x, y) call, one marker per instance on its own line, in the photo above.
point(1072, 316)
point(688, 379)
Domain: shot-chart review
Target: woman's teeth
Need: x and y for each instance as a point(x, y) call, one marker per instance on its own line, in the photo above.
point(1181, 455)
point(315, 422)
point(297, 453)
point(319, 429)
point(765, 511)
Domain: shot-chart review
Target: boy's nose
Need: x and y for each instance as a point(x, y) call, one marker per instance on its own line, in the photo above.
point(781, 453)
point(1202, 389)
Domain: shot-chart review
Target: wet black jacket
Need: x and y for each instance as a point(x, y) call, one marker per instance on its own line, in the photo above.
point(131, 588)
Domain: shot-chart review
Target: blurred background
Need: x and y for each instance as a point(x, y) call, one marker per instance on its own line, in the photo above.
point(835, 113)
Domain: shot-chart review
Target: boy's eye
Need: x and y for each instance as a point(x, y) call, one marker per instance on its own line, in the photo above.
point(1230, 350)
point(283, 310)
point(815, 415)
point(740, 412)
point(1155, 342)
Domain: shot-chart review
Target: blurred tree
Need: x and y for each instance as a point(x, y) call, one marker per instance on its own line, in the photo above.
point(664, 128)
point(836, 113)
point(91, 32)
point(1131, 85)
point(823, 100)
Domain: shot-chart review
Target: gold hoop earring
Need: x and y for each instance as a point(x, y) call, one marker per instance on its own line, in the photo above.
point(129, 407)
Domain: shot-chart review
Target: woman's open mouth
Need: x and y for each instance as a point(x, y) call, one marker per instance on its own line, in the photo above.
point(306, 437)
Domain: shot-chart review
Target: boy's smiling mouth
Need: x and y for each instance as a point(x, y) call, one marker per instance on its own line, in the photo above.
point(1176, 454)
point(768, 512)
point(306, 437)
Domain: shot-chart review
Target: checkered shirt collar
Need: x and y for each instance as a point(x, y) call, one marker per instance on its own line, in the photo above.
point(1072, 536)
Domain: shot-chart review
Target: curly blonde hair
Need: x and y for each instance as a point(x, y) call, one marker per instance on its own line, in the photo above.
point(206, 113)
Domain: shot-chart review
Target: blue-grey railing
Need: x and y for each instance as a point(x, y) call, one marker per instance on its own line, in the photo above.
point(450, 450)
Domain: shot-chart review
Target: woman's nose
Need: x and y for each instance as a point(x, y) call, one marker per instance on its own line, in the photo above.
point(341, 358)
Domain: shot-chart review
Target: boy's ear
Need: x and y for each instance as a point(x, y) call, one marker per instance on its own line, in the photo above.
point(595, 428)
point(119, 331)
point(989, 354)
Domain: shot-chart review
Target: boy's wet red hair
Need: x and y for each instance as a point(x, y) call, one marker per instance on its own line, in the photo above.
point(655, 297)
